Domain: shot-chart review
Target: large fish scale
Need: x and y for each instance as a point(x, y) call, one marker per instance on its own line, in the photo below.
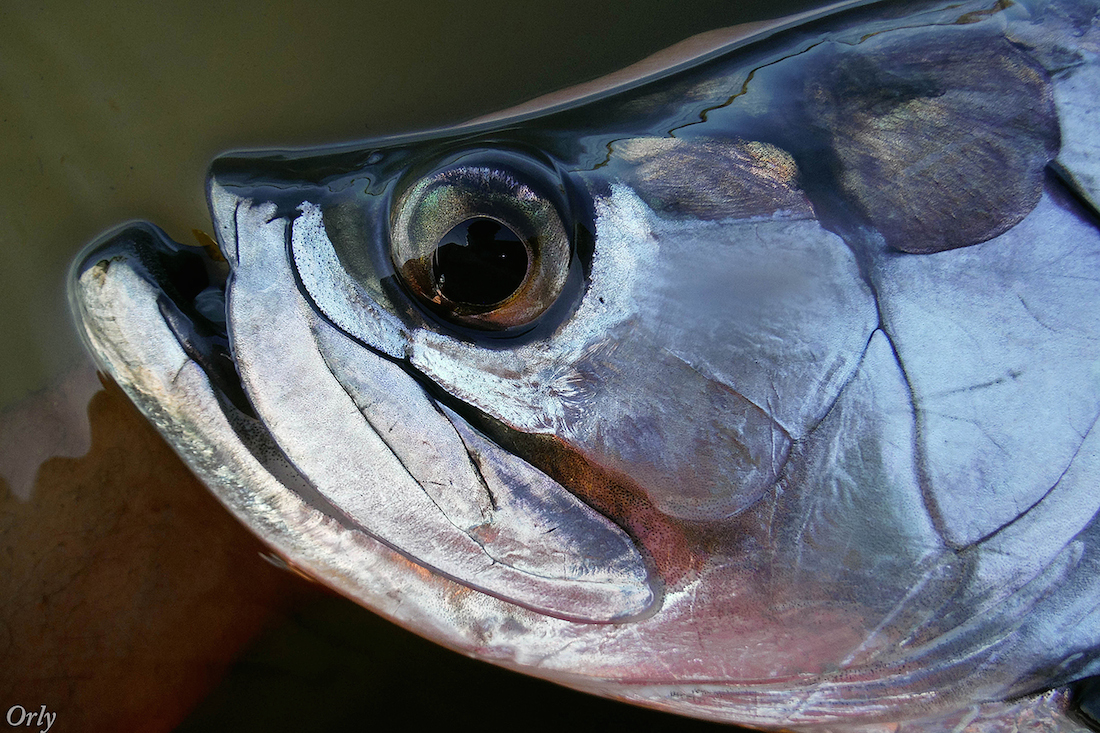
point(1023, 353)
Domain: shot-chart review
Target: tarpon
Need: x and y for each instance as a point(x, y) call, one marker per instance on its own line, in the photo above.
point(760, 387)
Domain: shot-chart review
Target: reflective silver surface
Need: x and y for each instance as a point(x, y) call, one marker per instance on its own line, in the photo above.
point(789, 408)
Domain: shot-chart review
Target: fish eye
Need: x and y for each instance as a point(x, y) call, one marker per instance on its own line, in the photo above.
point(481, 241)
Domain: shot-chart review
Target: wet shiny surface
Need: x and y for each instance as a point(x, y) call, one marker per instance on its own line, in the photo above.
point(114, 114)
point(793, 584)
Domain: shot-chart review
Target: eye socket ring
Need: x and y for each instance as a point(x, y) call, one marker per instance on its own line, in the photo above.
point(515, 258)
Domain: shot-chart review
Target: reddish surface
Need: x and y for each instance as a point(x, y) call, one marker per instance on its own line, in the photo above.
point(126, 590)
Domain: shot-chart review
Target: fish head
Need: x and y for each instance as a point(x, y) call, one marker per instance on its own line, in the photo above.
point(552, 312)
point(643, 393)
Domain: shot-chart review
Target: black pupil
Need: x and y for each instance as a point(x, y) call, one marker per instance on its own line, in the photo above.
point(479, 262)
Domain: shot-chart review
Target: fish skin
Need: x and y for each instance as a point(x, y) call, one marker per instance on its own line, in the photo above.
point(873, 540)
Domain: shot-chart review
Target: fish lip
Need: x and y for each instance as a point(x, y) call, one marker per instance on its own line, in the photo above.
point(189, 283)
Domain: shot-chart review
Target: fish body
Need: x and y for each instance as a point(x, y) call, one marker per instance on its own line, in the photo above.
point(761, 389)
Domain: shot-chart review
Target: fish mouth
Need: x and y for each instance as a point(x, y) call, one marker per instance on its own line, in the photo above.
point(191, 281)
point(295, 442)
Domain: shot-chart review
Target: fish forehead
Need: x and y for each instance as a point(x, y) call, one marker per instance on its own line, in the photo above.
point(774, 432)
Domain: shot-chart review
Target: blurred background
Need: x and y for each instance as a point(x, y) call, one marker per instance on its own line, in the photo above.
point(111, 112)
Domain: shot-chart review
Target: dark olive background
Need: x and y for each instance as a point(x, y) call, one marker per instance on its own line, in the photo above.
point(113, 112)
